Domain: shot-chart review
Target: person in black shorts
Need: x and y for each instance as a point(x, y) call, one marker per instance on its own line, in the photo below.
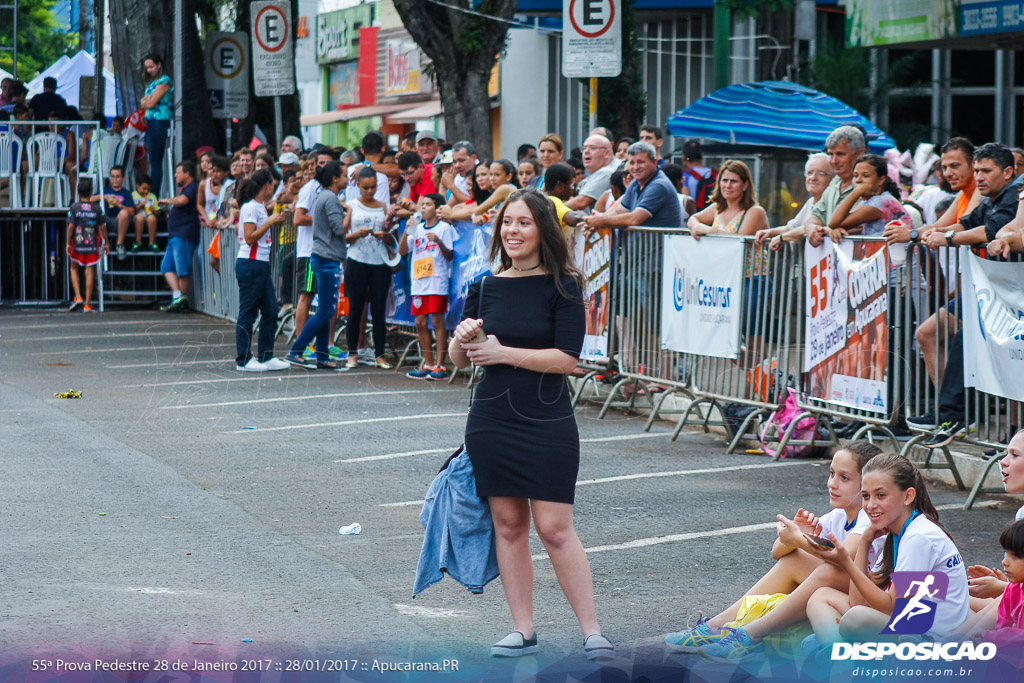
point(521, 434)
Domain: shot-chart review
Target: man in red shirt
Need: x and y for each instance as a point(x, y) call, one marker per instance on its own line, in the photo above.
point(418, 175)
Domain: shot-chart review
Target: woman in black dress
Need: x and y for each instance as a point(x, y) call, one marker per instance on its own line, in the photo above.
point(521, 432)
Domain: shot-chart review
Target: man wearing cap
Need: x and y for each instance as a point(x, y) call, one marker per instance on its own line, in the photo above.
point(289, 161)
point(427, 147)
point(48, 101)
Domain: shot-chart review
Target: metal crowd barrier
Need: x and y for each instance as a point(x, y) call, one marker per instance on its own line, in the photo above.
point(771, 334)
point(643, 367)
point(771, 354)
point(993, 419)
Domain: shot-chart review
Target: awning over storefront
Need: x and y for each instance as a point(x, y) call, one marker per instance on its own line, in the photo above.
point(771, 113)
point(355, 113)
point(426, 110)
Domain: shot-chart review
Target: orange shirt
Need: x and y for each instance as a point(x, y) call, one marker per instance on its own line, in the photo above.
point(962, 201)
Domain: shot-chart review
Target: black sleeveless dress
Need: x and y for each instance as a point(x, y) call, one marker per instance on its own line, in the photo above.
point(521, 433)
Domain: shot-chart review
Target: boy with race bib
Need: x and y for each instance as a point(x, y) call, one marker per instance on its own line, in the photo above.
point(430, 242)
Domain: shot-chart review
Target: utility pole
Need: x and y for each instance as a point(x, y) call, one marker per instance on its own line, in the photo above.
point(721, 30)
point(100, 89)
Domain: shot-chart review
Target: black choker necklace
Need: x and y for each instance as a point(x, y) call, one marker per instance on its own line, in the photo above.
point(526, 270)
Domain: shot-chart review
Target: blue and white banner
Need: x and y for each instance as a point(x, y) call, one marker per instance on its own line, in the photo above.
point(701, 296)
point(994, 327)
point(470, 263)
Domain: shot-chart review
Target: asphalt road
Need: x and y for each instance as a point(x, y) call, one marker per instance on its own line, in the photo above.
point(149, 520)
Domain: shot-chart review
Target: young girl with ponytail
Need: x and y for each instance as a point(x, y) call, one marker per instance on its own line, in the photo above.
point(900, 511)
point(873, 202)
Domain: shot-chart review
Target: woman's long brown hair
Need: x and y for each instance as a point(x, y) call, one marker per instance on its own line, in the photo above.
point(554, 251)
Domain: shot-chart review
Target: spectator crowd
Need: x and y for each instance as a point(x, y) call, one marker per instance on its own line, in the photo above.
point(358, 213)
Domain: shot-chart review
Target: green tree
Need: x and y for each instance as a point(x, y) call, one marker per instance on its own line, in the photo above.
point(40, 43)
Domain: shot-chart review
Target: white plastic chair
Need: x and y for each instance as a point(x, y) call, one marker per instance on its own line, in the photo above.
point(11, 150)
point(108, 145)
point(46, 153)
point(125, 156)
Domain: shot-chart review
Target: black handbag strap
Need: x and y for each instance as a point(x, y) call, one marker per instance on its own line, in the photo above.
point(480, 297)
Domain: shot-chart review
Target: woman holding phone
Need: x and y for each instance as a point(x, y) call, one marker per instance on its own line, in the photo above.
point(521, 434)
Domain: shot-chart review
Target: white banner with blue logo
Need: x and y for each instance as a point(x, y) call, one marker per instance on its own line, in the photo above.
point(993, 310)
point(700, 295)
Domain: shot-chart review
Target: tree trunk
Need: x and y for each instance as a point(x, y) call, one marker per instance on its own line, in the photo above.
point(467, 108)
point(139, 27)
point(463, 48)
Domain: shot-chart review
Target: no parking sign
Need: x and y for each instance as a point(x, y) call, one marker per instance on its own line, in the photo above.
point(591, 38)
point(227, 74)
point(272, 53)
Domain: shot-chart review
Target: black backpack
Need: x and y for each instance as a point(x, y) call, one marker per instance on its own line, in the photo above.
point(705, 187)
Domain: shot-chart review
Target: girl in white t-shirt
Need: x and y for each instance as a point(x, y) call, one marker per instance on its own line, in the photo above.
point(367, 275)
point(797, 572)
point(900, 511)
point(252, 270)
point(986, 585)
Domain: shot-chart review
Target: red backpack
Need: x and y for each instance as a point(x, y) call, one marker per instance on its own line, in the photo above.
point(705, 187)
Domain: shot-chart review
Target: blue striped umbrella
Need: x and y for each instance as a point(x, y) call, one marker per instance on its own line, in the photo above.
point(771, 113)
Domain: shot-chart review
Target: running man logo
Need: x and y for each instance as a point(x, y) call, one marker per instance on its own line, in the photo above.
point(918, 595)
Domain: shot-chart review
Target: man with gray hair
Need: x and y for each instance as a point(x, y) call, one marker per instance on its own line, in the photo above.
point(291, 144)
point(649, 200)
point(455, 180)
point(600, 163)
point(845, 145)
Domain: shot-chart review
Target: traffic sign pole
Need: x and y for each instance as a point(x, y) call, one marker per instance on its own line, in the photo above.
point(593, 102)
point(278, 125)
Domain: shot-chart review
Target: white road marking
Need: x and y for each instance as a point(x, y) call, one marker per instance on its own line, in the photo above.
point(626, 437)
point(170, 364)
point(263, 377)
point(120, 335)
point(428, 612)
point(305, 398)
point(346, 422)
point(677, 473)
point(406, 454)
point(647, 475)
point(658, 540)
point(182, 345)
point(79, 323)
point(389, 456)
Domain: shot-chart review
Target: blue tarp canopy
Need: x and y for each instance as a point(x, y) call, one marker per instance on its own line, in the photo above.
point(771, 113)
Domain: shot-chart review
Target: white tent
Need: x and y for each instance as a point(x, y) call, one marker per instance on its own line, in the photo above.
point(68, 72)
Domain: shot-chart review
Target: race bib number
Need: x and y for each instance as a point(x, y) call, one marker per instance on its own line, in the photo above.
point(423, 267)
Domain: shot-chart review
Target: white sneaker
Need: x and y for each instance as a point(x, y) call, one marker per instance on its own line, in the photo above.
point(366, 356)
point(252, 366)
point(276, 364)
